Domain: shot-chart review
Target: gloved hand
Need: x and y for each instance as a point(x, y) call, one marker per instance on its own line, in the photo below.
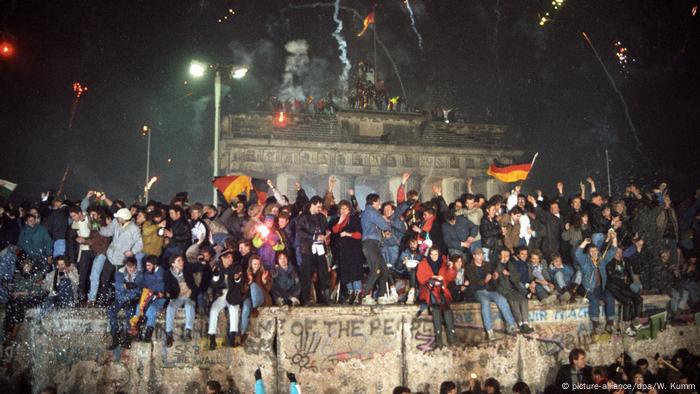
point(258, 374)
point(292, 378)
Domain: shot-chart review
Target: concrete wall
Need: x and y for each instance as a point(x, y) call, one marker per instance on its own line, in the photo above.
point(331, 349)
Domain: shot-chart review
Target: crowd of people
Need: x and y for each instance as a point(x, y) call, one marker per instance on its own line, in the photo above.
point(677, 374)
point(138, 261)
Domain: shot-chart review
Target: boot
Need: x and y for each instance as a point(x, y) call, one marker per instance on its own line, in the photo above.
point(597, 328)
point(149, 334)
point(212, 342)
point(115, 342)
point(351, 298)
point(243, 339)
point(610, 327)
point(126, 341)
point(322, 297)
point(437, 325)
point(169, 339)
point(188, 335)
point(230, 338)
point(450, 324)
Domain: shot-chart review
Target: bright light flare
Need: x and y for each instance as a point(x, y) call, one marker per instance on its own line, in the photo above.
point(263, 230)
point(694, 10)
point(151, 182)
point(239, 73)
point(197, 69)
point(6, 49)
point(145, 129)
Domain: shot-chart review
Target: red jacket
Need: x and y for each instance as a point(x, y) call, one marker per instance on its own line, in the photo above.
point(424, 273)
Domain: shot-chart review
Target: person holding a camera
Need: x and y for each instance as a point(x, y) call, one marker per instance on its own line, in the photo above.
point(434, 273)
point(127, 294)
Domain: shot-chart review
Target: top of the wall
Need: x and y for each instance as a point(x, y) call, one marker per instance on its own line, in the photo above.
point(396, 128)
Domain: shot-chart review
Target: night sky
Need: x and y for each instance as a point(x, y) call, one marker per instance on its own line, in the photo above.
point(490, 59)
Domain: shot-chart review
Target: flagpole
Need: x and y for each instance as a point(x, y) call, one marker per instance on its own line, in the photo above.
point(532, 164)
point(374, 36)
point(607, 167)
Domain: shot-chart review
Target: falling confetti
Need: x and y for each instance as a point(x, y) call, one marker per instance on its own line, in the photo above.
point(78, 90)
point(413, 24)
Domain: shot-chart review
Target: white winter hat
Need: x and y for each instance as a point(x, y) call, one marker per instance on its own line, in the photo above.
point(123, 214)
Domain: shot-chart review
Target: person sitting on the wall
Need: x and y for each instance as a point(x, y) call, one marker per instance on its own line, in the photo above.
point(434, 273)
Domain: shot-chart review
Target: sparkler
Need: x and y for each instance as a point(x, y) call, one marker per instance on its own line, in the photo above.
point(413, 24)
point(151, 182)
point(619, 94)
point(78, 91)
point(694, 10)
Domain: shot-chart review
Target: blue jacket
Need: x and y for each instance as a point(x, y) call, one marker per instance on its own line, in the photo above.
point(122, 294)
point(567, 270)
point(153, 281)
point(372, 221)
point(35, 241)
point(587, 267)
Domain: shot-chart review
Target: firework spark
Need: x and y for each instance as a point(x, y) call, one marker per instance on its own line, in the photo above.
point(549, 15)
point(78, 90)
point(619, 94)
point(229, 13)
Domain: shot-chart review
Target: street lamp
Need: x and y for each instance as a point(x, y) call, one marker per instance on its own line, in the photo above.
point(198, 69)
point(145, 130)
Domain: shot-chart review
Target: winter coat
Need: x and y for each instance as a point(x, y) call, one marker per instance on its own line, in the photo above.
point(476, 280)
point(348, 250)
point(285, 281)
point(424, 273)
point(121, 281)
point(508, 285)
point(198, 278)
point(182, 235)
point(237, 290)
point(490, 231)
point(455, 234)
point(152, 243)
point(552, 227)
point(475, 215)
point(308, 226)
point(71, 275)
point(35, 241)
point(153, 281)
point(124, 238)
point(512, 237)
point(268, 246)
point(596, 219)
point(56, 222)
point(219, 279)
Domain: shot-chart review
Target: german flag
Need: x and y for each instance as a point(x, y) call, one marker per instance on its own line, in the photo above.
point(369, 20)
point(232, 186)
point(510, 173)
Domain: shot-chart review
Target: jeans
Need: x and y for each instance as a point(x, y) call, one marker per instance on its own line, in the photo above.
point(679, 300)
point(220, 239)
point(129, 308)
point(630, 301)
point(152, 310)
point(598, 239)
point(594, 298)
point(559, 280)
point(256, 299)
point(97, 264)
point(139, 261)
point(59, 247)
point(354, 286)
point(390, 254)
point(216, 307)
point(487, 254)
point(377, 267)
point(485, 298)
point(173, 306)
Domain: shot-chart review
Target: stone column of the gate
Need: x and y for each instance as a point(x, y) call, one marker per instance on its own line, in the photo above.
point(366, 184)
point(341, 349)
point(284, 182)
